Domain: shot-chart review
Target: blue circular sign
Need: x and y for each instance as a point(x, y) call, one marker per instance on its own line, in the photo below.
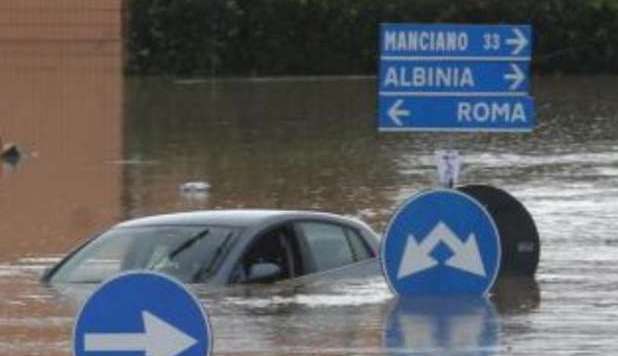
point(441, 242)
point(142, 313)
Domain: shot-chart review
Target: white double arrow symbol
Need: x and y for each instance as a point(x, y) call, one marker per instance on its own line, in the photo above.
point(517, 76)
point(396, 112)
point(158, 339)
point(466, 256)
point(519, 41)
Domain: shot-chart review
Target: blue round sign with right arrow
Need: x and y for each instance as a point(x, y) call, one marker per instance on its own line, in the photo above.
point(441, 242)
point(142, 313)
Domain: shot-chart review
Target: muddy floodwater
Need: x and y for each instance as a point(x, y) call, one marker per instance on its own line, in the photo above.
point(98, 151)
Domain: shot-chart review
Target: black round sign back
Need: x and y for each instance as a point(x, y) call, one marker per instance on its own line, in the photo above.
point(519, 237)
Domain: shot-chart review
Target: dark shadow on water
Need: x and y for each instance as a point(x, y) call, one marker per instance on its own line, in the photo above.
point(516, 295)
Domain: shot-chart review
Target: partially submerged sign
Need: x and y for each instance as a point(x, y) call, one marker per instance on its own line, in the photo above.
point(519, 237)
point(455, 78)
point(441, 242)
point(142, 313)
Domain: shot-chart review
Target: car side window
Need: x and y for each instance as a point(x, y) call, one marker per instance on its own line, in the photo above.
point(270, 258)
point(359, 247)
point(328, 245)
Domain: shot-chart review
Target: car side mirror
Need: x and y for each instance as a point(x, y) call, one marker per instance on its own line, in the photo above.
point(264, 273)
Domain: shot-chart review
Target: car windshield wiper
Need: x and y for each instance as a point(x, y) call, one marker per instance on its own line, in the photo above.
point(180, 248)
point(84, 281)
point(206, 270)
point(187, 244)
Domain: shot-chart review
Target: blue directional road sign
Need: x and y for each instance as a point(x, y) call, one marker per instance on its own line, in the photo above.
point(443, 113)
point(441, 242)
point(402, 77)
point(457, 41)
point(479, 72)
point(142, 314)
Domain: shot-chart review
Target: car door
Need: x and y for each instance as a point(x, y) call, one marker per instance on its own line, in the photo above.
point(326, 246)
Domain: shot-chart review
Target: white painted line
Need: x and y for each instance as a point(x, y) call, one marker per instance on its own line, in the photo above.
point(456, 58)
point(442, 129)
point(458, 93)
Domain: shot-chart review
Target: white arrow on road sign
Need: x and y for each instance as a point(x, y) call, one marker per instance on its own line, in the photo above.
point(519, 42)
point(416, 256)
point(396, 112)
point(517, 76)
point(158, 339)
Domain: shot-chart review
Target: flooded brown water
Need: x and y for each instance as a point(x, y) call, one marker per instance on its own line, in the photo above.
point(311, 143)
point(100, 149)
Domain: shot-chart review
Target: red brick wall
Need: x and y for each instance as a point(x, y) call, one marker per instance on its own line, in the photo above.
point(61, 99)
point(92, 20)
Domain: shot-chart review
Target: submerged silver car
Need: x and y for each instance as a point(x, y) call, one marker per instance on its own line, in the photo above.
point(223, 247)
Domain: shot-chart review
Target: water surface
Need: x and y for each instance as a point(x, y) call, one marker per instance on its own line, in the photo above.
point(310, 143)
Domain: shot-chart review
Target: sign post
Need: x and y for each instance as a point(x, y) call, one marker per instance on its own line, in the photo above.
point(449, 78)
point(455, 78)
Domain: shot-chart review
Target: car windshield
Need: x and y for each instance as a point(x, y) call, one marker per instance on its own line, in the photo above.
point(189, 253)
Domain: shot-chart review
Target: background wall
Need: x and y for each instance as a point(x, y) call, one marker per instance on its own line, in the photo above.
point(61, 91)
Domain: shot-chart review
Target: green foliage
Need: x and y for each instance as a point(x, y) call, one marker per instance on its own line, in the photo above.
point(317, 37)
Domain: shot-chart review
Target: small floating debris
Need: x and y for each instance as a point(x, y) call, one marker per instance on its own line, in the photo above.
point(190, 187)
point(194, 191)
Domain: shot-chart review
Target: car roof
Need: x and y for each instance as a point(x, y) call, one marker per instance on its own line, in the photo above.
point(236, 218)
